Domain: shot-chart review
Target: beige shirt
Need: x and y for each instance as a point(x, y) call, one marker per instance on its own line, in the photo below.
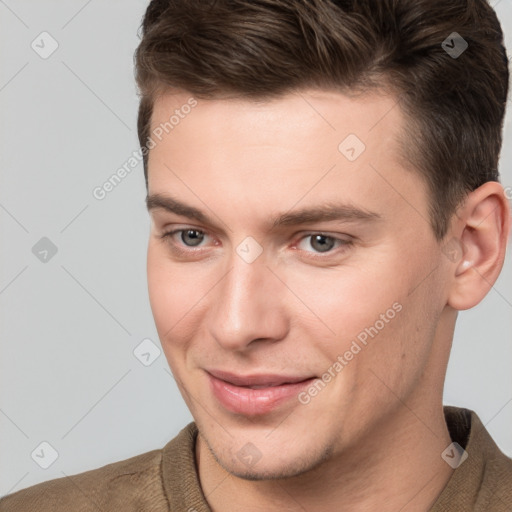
point(167, 480)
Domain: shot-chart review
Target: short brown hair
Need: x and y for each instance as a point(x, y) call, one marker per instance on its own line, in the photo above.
point(261, 49)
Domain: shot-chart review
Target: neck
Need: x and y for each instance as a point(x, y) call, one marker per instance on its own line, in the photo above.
point(396, 466)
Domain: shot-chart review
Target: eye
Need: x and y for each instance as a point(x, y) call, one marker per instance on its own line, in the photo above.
point(322, 243)
point(186, 239)
point(189, 237)
point(194, 236)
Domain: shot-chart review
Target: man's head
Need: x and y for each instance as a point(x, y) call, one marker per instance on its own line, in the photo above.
point(265, 48)
point(328, 165)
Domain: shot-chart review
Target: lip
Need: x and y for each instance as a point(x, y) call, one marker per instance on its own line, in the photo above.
point(235, 395)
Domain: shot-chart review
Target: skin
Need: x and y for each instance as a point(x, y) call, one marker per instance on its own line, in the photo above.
point(372, 438)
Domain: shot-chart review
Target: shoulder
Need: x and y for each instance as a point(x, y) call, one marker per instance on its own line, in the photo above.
point(116, 486)
point(496, 487)
point(482, 480)
point(494, 479)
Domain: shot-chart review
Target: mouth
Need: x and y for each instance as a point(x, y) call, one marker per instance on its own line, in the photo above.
point(254, 395)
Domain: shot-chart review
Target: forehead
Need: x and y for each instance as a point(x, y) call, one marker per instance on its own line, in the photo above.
point(306, 110)
point(295, 126)
point(309, 146)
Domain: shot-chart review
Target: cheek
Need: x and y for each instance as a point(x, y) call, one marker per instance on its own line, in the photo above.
point(347, 301)
point(167, 293)
point(177, 297)
point(165, 290)
point(368, 310)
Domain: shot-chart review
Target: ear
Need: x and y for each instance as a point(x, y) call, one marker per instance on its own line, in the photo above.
point(480, 234)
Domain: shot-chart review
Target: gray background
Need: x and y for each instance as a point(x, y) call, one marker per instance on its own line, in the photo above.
point(68, 375)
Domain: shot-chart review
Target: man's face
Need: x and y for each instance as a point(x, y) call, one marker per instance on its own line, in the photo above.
point(293, 342)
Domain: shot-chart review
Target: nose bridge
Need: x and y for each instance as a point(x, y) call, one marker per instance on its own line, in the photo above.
point(247, 304)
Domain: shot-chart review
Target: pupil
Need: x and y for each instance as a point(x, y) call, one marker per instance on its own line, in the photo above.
point(323, 247)
point(196, 239)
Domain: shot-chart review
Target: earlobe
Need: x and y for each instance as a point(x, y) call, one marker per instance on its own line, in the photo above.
point(481, 230)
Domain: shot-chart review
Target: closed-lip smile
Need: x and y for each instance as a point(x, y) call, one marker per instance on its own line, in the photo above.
point(255, 394)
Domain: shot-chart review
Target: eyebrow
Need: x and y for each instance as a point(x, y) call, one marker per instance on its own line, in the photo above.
point(326, 212)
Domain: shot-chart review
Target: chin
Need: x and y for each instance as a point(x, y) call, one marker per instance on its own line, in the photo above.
point(274, 466)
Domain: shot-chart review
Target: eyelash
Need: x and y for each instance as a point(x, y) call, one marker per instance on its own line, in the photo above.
point(344, 244)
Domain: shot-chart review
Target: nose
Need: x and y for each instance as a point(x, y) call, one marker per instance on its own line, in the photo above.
point(248, 306)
